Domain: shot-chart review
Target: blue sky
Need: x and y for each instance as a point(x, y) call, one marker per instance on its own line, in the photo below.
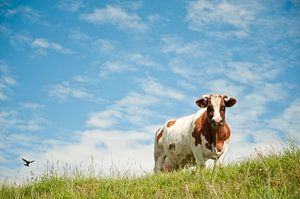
point(82, 79)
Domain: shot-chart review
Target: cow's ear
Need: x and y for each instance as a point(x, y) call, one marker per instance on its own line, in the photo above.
point(230, 101)
point(202, 102)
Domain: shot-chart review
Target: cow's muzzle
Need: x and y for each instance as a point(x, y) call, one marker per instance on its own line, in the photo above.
point(217, 123)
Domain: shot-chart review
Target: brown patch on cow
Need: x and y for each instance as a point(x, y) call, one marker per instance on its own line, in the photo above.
point(170, 123)
point(159, 135)
point(197, 130)
point(201, 127)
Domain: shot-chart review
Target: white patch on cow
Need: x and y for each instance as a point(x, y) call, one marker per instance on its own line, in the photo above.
point(216, 103)
point(207, 153)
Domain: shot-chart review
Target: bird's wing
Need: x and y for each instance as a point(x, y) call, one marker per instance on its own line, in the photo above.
point(31, 161)
point(24, 160)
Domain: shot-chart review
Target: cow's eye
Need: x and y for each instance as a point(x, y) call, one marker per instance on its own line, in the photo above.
point(210, 108)
point(222, 108)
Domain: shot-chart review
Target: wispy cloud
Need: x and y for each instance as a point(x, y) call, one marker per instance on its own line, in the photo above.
point(234, 18)
point(23, 41)
point(287, 121)
point(25, 11)
point(152, 87)
point(132, 109)
point(14, 120)
point(5, 30)
point(116, 67)
point(115, 15)
point(42, 44)
point(173, 44)
point(6, 81)
point(69, 5)
point(129, 62)
point(32, 106)
point(254, 73)
point(65, 91)
point(20, 40)
point(78, 36)
point(103, 45)
point(181, 68)
point(104, 119)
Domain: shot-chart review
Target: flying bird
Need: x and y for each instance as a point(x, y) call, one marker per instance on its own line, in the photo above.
point(27, 162)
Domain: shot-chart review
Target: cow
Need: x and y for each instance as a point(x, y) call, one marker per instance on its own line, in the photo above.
point(193, 139)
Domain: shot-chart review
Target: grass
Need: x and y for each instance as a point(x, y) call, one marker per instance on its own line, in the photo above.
point(272, 176)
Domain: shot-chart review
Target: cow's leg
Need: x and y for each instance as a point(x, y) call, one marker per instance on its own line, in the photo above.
point(219, 161)
point(198, 154)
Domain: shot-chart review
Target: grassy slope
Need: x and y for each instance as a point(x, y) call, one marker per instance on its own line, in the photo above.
point(274, 176)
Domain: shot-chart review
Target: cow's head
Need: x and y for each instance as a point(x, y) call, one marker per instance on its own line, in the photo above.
point(216, 106)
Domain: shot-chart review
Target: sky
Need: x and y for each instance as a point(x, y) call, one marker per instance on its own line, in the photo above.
point(89, 82)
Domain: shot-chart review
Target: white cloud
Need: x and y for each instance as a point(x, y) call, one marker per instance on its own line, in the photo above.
point(32, 106)
point(44, 44)
point(186, 85)
point(130, 62)
point(103, 45)
point(24, 40)
point(20, 39)
point(104, 119)
point(225, 35)
point(40, 43)
point(135, 108)
point(173, 44)
point(181, 68)
point(116, 67)
point(69, 5)
point(135, 5)
point(14, 120)
point(265, 141)
point(115, 15)
point(287, 122)
point(114, 152)
point(136, 99)
point(25, 11)
point(78, 36)
point(85, 79)
point(225, 87)
point(152, 87)
point(64, 91)
point(5, 30)
point(6, 81)
point(252, 73)
point(218, 14)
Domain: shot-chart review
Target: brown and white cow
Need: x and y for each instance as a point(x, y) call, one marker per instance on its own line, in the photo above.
point(195, 138)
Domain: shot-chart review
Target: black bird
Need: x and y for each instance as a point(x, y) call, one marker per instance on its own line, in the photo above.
point(27, 162)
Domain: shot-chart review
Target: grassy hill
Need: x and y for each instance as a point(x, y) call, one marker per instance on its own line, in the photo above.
point(272, 176)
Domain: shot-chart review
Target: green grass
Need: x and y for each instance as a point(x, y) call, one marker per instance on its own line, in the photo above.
point(272, 176)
